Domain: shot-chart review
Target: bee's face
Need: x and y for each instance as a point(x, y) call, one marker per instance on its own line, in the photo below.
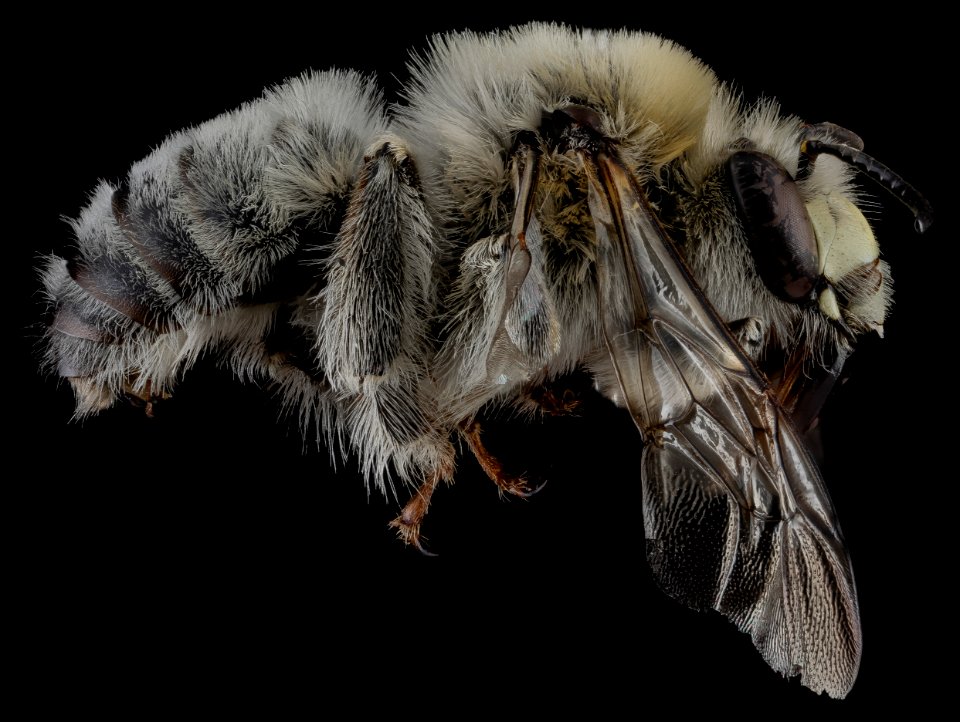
point(775, 237)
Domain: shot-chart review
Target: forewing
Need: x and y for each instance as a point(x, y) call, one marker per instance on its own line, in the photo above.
point(736, 515)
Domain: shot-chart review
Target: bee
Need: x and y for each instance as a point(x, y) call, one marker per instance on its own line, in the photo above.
point(544, 202)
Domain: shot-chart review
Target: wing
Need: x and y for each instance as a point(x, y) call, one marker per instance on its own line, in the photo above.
point(736, 514)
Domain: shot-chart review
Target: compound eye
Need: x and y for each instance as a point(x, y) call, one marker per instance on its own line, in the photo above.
point(778, 227)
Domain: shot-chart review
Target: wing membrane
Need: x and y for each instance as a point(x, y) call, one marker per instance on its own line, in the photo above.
point(736, 515)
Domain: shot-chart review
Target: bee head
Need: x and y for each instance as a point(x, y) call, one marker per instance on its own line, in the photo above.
point(816, 246)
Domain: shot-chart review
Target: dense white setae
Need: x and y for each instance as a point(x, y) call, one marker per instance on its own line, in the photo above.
point(542, 202)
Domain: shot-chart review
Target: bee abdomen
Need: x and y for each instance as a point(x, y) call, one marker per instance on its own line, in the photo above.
point(117, 282)
point(109, 306)
point(143, 208)
point(207, 239)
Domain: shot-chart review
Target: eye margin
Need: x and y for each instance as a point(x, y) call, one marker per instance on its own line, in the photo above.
point(778, 227)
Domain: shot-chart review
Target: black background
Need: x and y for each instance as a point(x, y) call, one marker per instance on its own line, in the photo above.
point(208, 550)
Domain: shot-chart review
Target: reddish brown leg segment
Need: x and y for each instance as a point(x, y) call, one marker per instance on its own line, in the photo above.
point(506, 483)
point(554, 399)
point(411, 516)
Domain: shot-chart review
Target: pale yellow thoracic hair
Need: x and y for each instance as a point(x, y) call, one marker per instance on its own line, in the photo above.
point(470, 96)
